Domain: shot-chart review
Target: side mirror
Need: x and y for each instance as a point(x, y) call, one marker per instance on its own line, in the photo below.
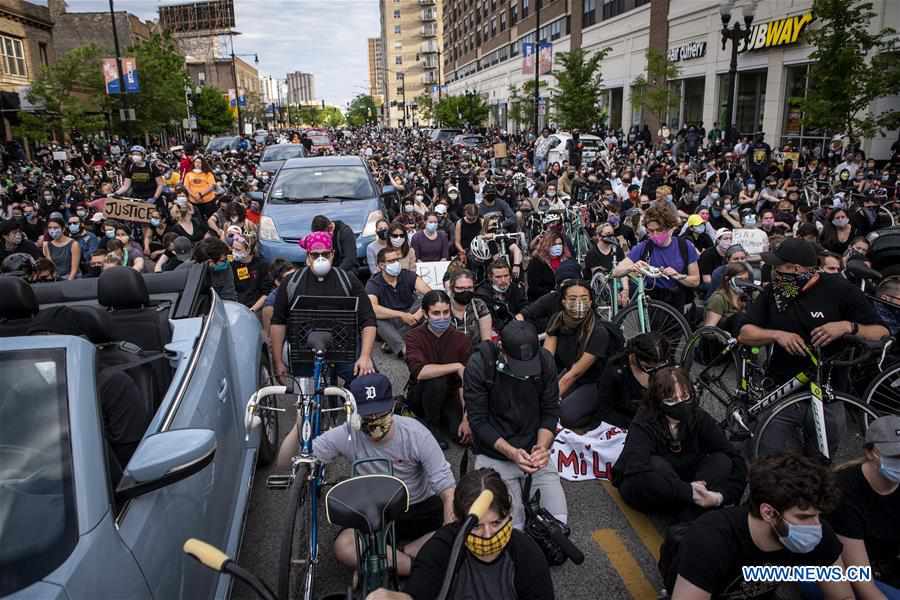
point(388, 190)
point(164, 458)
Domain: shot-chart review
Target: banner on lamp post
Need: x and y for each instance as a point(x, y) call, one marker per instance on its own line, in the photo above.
point(111, 75)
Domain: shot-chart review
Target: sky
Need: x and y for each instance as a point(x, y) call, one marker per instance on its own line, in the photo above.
point(325, 37)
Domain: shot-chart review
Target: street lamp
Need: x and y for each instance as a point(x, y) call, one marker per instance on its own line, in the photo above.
point(735, 33)
point(237, 88)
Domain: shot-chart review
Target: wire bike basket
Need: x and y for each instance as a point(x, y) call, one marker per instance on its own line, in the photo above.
point(336, 315)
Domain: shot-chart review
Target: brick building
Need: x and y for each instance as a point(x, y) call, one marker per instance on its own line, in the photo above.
point(75, 29)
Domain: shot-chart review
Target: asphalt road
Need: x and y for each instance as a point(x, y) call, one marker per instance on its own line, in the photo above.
point(620, 546)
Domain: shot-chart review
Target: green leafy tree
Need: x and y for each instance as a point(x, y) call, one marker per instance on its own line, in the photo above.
point(425, 106)
point(332, 116)
point(854, 66)
point(652, 93)
point(578, 88)
point(214, 116)
point(362, 111)
point(163, 79)
point(71, 90)
point(521, 103)
point(468, 110)
point(310, 115)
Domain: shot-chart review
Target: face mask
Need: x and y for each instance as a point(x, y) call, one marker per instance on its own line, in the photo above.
point(723, 244)
point(382, 234)
point(488, 546)
point(408, 208)
point(431, 227)
point(136, 158)
point(464, 297)
point(890, 468)
point(556, 250)
point(668, 197)
point(551, 193)
point(181, 200)
point(840, 221)
point(577, 310)
point(420, 198)
point(439, 325)
point(154, 222)
point(397, 241)
point(751, 187)
point(440, 209)
point(110, 233)
point(698, 228)
point(74, 227)
point(242, 257)
point(81, 213)
point(220, 267)
point(683, 411)
point(453, 195)
point(800, 539)
point(321, 266)
point(661, 238)
point(786, 287)
point(377, 428)
point(29, 217)
point(55, 233)
point(393, 268)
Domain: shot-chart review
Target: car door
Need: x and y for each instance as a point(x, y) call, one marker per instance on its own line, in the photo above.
point(204, 505)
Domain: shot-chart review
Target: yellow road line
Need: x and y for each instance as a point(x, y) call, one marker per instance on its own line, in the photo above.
point(638, 586)
point(643, 527)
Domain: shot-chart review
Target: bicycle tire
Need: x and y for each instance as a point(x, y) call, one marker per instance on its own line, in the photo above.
point(883, 394)
point(852, 438)
point(714, 373)
point(662, 318)
point(268, 435)
point(600, 286)
point(296, 574)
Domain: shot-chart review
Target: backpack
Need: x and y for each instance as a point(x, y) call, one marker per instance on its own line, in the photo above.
point(616, 338)
point(294, 282)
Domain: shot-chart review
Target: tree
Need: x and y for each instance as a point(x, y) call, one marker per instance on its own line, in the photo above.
point(163, 79)
point(307, 114)
point(652, 92)
point(578, 83)
point(362, 111)
point(332, 116)
point(521, 103)
point(468, 110)
point(853, 67)
point(72, 92)
point(425, 106)
point(213, 112)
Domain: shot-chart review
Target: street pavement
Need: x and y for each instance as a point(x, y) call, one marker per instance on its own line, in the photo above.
point(620, 545)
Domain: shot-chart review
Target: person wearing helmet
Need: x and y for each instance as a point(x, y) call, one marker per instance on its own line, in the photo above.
point(19, 265)
point(141, 179)
point(13, 241)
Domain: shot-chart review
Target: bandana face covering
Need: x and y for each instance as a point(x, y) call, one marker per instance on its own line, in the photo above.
point(378, 427)
point(787, 287)
point(487, 546)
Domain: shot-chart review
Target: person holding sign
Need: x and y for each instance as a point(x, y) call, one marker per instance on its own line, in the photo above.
point(141, 179)
point(200, 184)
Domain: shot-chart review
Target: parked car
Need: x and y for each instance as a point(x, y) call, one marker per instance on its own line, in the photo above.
point(444, 135)
point(340, 187)
point(74, 522)
point(223, 144)
point(321, 142)
point(274, 156)
point(260, 136)
point(592, 145)
point(468, 140)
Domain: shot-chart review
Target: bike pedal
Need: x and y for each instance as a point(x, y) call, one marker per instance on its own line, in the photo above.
point(278, 482)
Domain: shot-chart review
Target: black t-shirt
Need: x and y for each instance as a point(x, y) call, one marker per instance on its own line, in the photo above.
point(311, 285)
point(567, 351)
point(249, 281)
point(143, 179)
point(718, 544)
point(595, 259)
point(832, 298)
point(519, 573)
point(758, 155)
point(871, 517)
point(399, 297)
point(710, 259)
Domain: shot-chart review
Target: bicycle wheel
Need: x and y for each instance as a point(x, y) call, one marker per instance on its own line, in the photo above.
point(714, 369)
point(268, 442)
point(295, 570)
point(660, 317)
point(883, 394)
point(789, 427)
point(601, 285)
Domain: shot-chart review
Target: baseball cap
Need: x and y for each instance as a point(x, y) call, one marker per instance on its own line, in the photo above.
point(520, 344)
point(97, 217)
point(884, 433)
point(373, 394)
point(183, 248)
point(694, 220)
point(794, 251)
point(9, 226)
point(721, 231)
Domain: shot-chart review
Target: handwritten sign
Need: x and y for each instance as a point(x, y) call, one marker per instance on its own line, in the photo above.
point(123, 209)
point(589, 456)
point(754, 241)
point(433, 273)
point(500, 150)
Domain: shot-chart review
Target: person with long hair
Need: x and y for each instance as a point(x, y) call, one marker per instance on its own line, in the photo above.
point(676, 456)
point(729, 299)
point(200, 184)
point(468, 313)
point(397, 238)
point(839, 232)
point(550, 252)
point(62, 249)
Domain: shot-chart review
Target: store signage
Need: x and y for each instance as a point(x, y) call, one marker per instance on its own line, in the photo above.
point(687, 51)
point(780, 32)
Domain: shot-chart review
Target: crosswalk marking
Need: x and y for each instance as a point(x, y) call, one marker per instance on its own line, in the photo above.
point(643, 527)
point(637, 584)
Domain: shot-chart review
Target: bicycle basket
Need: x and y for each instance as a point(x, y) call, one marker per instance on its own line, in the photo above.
point(336, 315)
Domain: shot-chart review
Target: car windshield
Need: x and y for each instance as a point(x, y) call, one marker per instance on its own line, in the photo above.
point(219, 144)
point(38, 525)
point(317, 184)
point(282, 152)
point(320, 140)
point(590, 143)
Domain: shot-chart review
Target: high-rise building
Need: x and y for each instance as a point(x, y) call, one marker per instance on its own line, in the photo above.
point(273, 90)
point(376, 70)
point(412, 39)
point(301, 88)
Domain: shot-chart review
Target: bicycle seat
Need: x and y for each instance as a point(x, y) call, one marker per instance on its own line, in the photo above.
point(318, 341)
point(367, 503)
point(858, 268)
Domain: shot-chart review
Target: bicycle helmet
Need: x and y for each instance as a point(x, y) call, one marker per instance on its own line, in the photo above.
point(552, 218)
point(136, 149)
point(480, 249)
point(19, 264)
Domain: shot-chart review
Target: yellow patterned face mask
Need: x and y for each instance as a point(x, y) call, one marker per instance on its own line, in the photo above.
point(486, 546)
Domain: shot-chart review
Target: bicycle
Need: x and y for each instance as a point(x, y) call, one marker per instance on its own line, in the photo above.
point(732, 385)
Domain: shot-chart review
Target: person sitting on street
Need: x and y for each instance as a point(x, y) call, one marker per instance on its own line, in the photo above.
point(729, 301)
point(676, 456)
point(504, 297)
point(436, 354)
point(416, 458)
point(393, 294)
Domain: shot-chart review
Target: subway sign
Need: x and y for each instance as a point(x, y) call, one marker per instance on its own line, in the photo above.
point(772, 34)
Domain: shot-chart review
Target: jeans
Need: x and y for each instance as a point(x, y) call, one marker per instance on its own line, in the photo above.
point(393, 330)
point(540, 164)
point(553, 498)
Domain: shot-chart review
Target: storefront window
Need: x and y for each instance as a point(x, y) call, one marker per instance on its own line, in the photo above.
point(794, 133)
point(636, 114)
point(692, 99)
point(750, 102)
point(615, 108)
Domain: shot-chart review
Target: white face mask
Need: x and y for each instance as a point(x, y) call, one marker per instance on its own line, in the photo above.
point(397, 242)
point(393, 268)
point(321, 266)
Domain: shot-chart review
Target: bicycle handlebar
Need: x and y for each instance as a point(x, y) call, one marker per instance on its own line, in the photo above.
point(870, 347)
point(482, 504)
point(207, 554)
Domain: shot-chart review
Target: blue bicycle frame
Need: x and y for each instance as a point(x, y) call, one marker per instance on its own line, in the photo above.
point(309, 430)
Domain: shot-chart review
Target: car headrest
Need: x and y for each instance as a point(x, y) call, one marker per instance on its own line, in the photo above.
point(17, 299)
point(122, 287)
point(85, 321)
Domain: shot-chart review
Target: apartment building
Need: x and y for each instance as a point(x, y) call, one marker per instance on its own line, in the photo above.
point(376, 70)
point(412, 40)
point(484, 47)
point(301, 88)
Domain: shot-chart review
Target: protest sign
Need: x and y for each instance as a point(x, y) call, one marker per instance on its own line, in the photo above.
point(433, 273)
point(128, 209)
point(589, 456)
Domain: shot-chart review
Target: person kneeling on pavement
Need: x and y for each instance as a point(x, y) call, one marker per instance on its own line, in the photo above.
point(416, 458)
point(676, 457)
point(512, 399)
point(436, 354)
point(497, 563)
point(392, 292)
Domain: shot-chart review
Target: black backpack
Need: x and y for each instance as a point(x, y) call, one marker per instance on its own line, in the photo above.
point(682, 249)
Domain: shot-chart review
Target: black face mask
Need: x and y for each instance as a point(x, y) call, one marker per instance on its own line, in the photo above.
point(464, 297)
point(382, 234)
point(683, 411)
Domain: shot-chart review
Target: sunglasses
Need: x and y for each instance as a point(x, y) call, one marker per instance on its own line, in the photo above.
point(315, 255)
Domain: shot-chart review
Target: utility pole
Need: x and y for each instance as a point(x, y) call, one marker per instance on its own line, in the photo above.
point(237, 91)
point(537, 63)
point(123, 99)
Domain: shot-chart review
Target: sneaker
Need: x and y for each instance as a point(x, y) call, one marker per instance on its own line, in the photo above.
point(386, 349)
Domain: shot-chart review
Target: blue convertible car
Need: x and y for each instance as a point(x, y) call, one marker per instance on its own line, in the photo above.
point(122, 434)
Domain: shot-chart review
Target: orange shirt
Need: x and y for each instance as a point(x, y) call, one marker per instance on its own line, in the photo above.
point(197, 182)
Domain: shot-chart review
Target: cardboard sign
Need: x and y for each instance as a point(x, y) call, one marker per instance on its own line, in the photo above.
point(433, 273)
point(59, 155)
point(500, 150)
point(754, 241)
point(125, 209)
point(589, 456)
